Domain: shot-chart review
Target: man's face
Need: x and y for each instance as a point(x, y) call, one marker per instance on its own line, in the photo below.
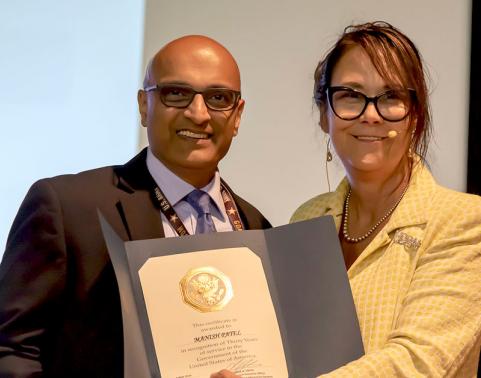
point(195, 138)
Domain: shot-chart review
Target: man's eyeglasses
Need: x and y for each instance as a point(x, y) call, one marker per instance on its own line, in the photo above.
point(349, 104)
point(181, 96)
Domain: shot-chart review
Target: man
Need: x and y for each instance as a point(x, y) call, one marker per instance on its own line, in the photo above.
point(59, 303)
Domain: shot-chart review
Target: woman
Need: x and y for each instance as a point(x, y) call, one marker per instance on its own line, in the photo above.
point(412, 248)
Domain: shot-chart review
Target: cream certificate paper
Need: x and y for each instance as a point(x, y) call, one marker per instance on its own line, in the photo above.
point(212, 310)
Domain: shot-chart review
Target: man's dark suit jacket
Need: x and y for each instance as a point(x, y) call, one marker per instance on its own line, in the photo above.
point(59, 303)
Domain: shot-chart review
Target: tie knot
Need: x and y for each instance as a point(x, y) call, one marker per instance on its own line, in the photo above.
point(200, 201)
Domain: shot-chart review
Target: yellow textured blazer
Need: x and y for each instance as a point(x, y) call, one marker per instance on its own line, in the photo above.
point(417, 285)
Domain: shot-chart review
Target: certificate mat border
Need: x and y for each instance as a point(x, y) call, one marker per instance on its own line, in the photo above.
point(306, 278)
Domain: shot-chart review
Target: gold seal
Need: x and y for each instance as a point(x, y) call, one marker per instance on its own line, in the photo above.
point(206, 289)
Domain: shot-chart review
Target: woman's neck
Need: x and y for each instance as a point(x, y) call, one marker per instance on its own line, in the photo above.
point(372, 198)
point(373, 193)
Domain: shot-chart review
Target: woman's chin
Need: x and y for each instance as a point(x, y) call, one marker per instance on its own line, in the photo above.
point(366, 164)
point(372, 165)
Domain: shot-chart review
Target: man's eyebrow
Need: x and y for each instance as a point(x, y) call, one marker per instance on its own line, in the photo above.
point(184, 84)
point(175, 82)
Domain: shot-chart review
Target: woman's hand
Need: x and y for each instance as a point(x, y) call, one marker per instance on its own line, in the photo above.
point(224, 374)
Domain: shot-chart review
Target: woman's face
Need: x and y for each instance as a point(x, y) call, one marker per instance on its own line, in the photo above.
point(363, 144)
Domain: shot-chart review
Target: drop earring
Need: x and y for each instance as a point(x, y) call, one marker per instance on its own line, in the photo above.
point(328, 150)
point(411, 144)
point(328, 159)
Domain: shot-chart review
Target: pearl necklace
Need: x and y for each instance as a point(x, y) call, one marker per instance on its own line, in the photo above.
point(345, 219)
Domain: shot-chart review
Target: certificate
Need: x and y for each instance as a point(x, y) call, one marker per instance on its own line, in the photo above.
point(212, 312)
point(264, 303)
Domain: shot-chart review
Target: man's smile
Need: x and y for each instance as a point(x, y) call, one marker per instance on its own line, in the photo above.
point(192, 134)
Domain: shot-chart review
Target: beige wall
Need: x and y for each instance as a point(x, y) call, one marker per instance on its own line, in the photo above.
point(277, 160)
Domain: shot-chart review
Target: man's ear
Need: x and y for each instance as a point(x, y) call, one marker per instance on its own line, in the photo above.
point(142, 101)
point(238, 116)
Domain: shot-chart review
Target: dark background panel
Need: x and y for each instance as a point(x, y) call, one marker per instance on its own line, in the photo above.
point(474, 133)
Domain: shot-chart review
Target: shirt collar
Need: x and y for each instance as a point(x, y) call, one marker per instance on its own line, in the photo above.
point(174, 188)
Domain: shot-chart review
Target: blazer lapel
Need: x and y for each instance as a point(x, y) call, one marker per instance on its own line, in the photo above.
point(249, 215)
point(138, 209)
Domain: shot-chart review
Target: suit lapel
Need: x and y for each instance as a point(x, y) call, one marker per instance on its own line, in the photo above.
point(137, 209)
point(141, 219)
point(250, 216)
point(239, 205)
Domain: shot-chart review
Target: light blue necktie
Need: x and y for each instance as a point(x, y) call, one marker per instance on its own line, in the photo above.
point(201, 201)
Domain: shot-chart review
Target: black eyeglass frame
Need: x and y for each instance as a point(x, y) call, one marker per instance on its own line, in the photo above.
point(159, 87)
point(331, 90)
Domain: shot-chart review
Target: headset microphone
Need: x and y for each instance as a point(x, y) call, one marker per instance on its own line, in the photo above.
point(392, 134)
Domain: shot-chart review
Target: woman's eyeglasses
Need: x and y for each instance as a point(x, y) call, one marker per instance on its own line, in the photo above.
point(348, 104)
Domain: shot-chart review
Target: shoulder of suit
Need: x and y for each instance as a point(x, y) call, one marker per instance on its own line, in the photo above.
point(88, 176)
point(453, 204)
point(80, 185)
point(443, 207)
point(315, 207)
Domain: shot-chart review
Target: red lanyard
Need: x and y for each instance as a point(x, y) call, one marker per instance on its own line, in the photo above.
point(169, 212)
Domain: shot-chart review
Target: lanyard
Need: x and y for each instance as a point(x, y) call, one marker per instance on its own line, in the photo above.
point(177, 224)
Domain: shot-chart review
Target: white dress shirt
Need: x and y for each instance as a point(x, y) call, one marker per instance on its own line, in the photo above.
point(175, 189)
